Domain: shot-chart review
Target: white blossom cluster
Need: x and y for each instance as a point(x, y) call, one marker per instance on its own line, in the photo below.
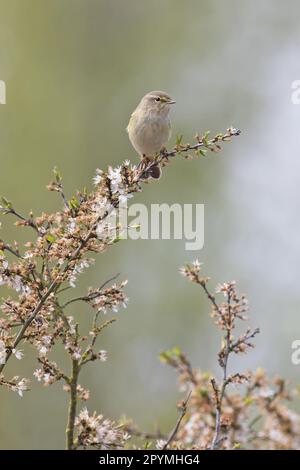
point(13, 281)
point(96, 431)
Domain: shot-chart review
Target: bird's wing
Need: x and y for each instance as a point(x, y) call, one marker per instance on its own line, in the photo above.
point(132, 121)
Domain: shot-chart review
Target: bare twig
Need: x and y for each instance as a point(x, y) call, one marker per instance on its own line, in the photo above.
point(88, 354)
point(244, 339)
point(5, 247)
point(210, 296)
point(144, 434)
point(183, 408)
point(27, 221)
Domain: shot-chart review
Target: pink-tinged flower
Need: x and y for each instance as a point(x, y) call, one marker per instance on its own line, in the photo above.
point(97, 432)
point(2, 352)
point(18, 354)
point(160, 444)
point(98, 177)
point(102, 355)
point(20, 387)
point(38, 374)
point(77, 354)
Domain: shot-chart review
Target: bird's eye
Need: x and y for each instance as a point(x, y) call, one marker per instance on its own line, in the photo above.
point(157, 99)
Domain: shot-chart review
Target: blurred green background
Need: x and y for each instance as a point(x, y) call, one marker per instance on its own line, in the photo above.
point(74, 72)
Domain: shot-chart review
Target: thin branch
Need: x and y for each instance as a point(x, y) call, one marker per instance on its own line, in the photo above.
point(88, 354)
point(144, 434)
point(92, 296)
point(63, 289)
point(203, 142)
point(55, 371)
point(219, 397)
point(73, 381)
point(29, 222)
point(173, 433)
point(209, 295)
point(244, 339)
point(5, 247)
point(61, 192)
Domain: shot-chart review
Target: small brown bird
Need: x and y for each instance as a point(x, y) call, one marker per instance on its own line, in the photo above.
point(149, 128)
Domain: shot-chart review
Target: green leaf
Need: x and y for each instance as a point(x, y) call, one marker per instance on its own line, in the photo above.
point(203, 392)
point(118, 239)
point(74, 203)
point(163, 357)
point(166, 355)
point(201, 152)
point(248, 400)
point(206, 138)
point(57, 175)
point(179, 139)
point(176, 351)
point(206, 375)
point(50, 238)
point(6, 203)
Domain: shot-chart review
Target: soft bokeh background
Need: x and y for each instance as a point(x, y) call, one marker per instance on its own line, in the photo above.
point(74, 71)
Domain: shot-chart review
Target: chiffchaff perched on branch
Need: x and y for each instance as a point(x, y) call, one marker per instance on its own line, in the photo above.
point(149, 128)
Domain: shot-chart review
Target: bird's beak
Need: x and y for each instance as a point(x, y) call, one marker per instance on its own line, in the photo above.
point(171, 102)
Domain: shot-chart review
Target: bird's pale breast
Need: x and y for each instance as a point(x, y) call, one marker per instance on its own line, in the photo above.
point(149, 134)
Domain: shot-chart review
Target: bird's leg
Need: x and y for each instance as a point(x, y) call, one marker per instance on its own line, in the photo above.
point(143, 165)
point(144, 162)
point(146, 159)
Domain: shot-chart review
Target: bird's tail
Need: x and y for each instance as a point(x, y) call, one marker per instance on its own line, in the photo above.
point(153, 172)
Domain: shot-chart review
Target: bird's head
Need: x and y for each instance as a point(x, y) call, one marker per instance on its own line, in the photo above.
point(157, 101)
